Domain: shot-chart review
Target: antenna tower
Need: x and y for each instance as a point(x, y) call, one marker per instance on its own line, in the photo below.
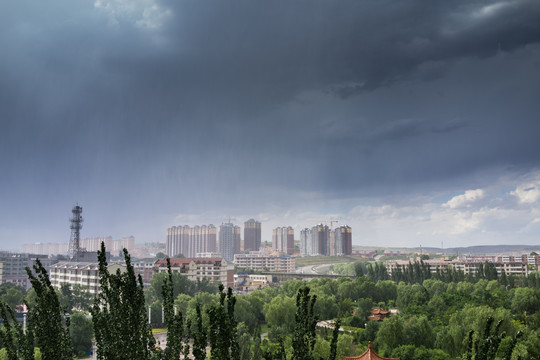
point(76, 225)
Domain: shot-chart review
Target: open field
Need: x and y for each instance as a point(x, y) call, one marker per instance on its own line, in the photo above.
point(319, 260)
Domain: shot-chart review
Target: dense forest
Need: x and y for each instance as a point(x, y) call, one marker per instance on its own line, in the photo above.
point(445, 315)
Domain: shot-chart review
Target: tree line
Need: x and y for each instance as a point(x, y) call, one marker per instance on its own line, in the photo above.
point(121, 329)
point(439, 316)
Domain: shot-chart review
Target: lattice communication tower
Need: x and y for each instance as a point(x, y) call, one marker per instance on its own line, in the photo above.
point(76, 226)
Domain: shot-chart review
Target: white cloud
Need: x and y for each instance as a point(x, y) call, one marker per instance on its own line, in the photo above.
point(474, 217)
point(143, 13)
point(466, 199)
point(527, 193)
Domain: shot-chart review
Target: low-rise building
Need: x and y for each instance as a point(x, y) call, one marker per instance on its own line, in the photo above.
point(145, 269)
point(214, 269)
point(246, 283)
point(515, 266)
point(263, 262)
point(85, 274)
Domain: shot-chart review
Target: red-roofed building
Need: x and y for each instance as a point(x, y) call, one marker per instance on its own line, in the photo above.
point(369, 354)
point(213, 269)
point(379, 314)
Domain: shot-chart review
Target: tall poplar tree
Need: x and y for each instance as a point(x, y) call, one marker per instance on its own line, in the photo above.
point(18, 344)
point(119, 314)
point(174, 321)
point(46, 318)
point(306, 322)
point(222, 330)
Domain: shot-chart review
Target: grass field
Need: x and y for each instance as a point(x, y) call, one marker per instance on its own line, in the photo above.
point(318, 260)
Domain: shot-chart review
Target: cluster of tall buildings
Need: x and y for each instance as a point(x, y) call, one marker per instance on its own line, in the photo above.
point(199, 241)
point(190, 241)
point(320, 240)
point(226, 240)
point(283, 240)
point(92, 244)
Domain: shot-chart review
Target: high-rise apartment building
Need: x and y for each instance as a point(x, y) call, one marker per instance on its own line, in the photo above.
point(189, 241)
point(283, 240)
point(320, 235)
point(317, 241)
point(305, 242)
point(343, 240)
point(229, 240)
point(252, 235)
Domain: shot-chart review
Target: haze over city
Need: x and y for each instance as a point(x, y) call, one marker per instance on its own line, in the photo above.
point(413, 122)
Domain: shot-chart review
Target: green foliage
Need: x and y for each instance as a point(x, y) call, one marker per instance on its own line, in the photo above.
point(12, 297)
point(334, 343)
point(244, 342)
point(181, 286)
point(526, 300)
point(410, 352)
point(46, 317)
point(377, 271)
point(17, 344)
point(36, 354)
point(222, 332)
point(257, 352)
point(485, 346)
point(199, 334)
point(390, 335)
point(174, 320)
point(437, 312)
point(326, 307)
point(82, 299)
point(119, 314)
point(279, 313)
point(409, 296)
point(81, 333)
point(305, 324)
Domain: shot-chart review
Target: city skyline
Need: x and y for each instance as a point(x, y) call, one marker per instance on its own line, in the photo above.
point(413, 123)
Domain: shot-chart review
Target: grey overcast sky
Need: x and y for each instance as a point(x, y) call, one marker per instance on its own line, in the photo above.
point(415, 122)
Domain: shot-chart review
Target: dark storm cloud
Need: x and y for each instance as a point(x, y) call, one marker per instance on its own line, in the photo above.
point(231, 67)
point(232, 103)
point(282, 46)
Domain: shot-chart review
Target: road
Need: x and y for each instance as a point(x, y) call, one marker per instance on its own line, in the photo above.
point(314, 269)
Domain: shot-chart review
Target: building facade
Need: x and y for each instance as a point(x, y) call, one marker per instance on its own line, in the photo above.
point(252, 235)
point(13, 267)
point(89, 244)
point(321, 241)
point(85, 274)
point(214, 269)
point(229, 241)
point(305, 242)
point(343, 240)
point(283, 240)
point(189, 241)
point(264, 262)
point(246, 283)
point(514, 266)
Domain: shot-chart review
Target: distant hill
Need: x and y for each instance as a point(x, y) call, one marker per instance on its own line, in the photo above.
point(485, 249)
